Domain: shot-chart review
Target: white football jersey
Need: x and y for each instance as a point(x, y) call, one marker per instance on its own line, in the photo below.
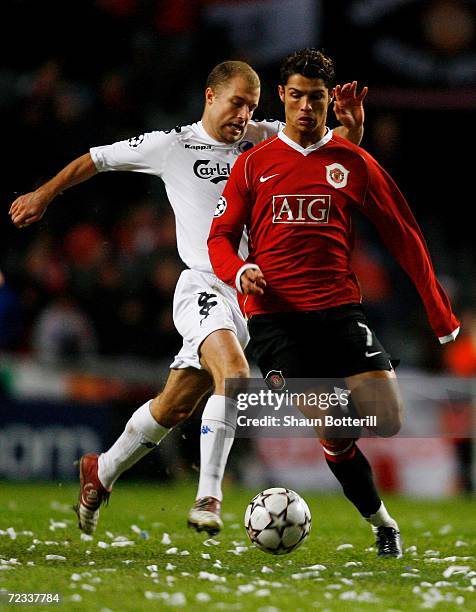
point(194, 168)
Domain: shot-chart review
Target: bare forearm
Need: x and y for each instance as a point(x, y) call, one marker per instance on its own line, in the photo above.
point(30, 207)
point(79, 170)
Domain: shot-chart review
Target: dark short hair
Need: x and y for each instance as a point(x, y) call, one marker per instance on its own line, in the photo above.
point(310, 63)
point(227, 70)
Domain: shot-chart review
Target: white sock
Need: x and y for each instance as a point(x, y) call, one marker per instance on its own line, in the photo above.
point(141, 435)
point(216, 440)
point(382, 518)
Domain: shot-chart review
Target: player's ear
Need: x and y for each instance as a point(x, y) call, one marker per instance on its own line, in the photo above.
point(331, 96)
point(209, 95)
point(281, 92)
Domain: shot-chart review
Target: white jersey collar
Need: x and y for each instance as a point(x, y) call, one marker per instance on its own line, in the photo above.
point(205, 136)
point(306, 150)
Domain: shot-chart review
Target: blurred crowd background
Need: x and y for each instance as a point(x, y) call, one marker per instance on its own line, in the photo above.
point(96, 276)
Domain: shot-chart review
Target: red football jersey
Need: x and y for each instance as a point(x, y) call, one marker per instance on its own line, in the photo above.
point(296, 204)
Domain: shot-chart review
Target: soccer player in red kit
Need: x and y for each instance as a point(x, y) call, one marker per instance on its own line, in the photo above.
point(295, 193)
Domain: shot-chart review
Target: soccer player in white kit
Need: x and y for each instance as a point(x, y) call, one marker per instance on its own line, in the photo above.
point(194, 162)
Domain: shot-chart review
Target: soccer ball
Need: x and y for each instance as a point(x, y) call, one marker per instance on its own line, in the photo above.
point(277, 520)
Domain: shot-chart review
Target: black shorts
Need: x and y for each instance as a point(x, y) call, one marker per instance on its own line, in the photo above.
point(332, 343)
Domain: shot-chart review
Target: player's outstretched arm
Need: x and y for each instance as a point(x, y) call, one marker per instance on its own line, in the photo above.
point(30, 207)
point(349, 111)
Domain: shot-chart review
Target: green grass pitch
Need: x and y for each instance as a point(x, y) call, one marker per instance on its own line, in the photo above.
point(143, 557)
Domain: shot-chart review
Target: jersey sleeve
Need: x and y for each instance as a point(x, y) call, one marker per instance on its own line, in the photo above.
point(146, 153)
point(388, 210)
point(227, 228)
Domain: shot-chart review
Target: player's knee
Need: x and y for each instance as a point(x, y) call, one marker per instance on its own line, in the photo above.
point(389, 420)
point(388, 426)
point(238, 369)
point(232, 376)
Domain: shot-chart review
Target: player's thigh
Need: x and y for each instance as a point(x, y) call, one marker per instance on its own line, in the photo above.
point(204, 307)
point(277, 348)
point(182, 393)
point(352, 346)
point(222, 355)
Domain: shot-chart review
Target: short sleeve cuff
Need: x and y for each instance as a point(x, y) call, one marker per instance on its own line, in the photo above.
point(96, 157)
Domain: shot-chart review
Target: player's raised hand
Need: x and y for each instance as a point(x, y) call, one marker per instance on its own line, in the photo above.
point(29, 208)
point(252, 282)
point(348, 105)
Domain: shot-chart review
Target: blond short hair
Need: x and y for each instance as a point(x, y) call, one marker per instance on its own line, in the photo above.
point(227, 70)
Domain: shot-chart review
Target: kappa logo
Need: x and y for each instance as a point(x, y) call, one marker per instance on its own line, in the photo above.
point(337, 175)
point(301, 209)
point(215, 173)
point(206, 303)
point(199, 147)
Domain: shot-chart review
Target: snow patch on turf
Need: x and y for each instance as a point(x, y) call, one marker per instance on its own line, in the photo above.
point(305, 575)
point(202, 597)
point(211, 577)
point(211, 542)
point(84, 537)
point(433, 596)
point(76, 597)
point(451, 559)
point(456, 570)
point(54, 525)
point(365, 596)
point(238, 550)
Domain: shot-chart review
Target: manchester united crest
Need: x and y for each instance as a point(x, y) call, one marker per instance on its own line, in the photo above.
point(275, 380)
point(337, 175)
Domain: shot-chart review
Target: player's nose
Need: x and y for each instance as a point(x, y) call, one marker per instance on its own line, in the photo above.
point(244, 114)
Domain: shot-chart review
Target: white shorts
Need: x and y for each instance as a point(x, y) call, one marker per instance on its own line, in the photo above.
point(203, 304)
